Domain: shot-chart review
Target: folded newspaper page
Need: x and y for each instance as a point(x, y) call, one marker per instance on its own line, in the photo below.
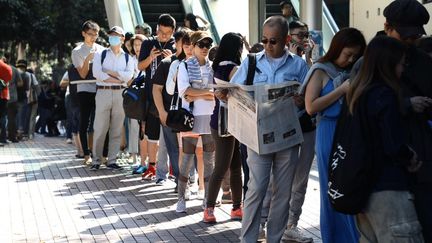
point(263, 117)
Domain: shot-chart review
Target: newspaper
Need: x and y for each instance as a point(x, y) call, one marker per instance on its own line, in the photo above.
point(263, 117)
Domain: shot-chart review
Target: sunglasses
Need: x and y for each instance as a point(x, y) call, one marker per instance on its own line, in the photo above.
point(203, 45)
point(272, 41)
point(302, 35)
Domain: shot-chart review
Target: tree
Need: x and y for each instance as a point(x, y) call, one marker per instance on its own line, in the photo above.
point(49, 28)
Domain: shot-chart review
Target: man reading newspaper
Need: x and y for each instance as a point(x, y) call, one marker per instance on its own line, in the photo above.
point(274, 65)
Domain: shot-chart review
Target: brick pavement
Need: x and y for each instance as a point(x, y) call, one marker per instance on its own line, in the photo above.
point(49, 196)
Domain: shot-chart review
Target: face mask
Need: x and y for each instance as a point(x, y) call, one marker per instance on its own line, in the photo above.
point(114, 40)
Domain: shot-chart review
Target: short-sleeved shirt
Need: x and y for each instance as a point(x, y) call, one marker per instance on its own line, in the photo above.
point(290, 68)
point(146, 48)
point(79, 54)
point(160, 78)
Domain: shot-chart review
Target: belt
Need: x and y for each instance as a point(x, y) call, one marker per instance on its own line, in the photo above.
point(109, 87)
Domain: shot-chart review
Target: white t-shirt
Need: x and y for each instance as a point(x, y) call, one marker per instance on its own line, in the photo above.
point(79, 54)
point(201, 107)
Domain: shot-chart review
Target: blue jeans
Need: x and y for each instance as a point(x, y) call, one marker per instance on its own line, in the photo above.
point(389, 216)
point(281, 166)
point(172, 146)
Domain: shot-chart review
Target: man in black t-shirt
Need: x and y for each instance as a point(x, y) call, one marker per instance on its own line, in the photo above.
point(162, 101)
point(153, 50)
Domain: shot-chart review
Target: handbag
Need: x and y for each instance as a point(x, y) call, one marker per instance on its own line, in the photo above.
point(134, 99)
point(179, 118)
point(33, 92)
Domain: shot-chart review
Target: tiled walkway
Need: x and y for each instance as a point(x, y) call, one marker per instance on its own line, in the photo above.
point(49, 197)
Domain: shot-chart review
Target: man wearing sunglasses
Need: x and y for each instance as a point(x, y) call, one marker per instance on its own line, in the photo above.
point(273, 65)
point(300, 43)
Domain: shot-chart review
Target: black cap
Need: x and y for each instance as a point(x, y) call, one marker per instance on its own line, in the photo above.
point(21, 63)
point(407, 17)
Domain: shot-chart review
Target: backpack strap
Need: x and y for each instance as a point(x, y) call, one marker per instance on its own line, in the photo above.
point(104, 53)
point(103, 56)
point(251, 68)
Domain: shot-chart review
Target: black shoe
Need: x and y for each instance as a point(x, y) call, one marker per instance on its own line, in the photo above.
point(114, 167)
point(95, 167)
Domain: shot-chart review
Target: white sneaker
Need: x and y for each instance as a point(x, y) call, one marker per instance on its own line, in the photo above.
point(69, 141)
point(262, 232)
point(200, 194)
point(181, 206)
point(294, 234)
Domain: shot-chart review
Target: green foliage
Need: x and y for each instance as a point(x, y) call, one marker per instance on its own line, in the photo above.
point(50, 28)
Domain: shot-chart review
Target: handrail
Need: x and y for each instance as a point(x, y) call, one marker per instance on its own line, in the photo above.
point(209, 17)
point(137, 11)
point(333, 26)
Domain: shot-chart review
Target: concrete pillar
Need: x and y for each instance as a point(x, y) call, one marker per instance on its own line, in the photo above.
point(256, 19)
point(311, 13)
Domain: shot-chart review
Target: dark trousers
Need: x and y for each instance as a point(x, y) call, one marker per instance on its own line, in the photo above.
point(87, 107)
point(3, 113)
point(423, 202)
point(12, 111)
point(227, 157)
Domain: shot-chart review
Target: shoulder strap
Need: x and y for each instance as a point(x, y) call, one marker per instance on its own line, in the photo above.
point(251, 68)
point(104, 52)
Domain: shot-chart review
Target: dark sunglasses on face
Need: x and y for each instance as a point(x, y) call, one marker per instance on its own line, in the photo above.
point(204, 44)
point(272, 41)
point(302, 35)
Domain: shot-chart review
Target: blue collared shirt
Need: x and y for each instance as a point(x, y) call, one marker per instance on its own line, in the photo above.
point(291, 68)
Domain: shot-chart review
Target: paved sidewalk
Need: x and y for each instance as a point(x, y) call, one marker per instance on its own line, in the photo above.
point(49, 196)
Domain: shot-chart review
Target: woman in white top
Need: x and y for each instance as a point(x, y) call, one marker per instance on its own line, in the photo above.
point(194, 77)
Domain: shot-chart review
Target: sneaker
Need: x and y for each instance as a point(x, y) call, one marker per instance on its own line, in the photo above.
point(139, 169)
point(95, 167)
point(209, 217)
point(69, 141)
point(295, 234)
point(114, 166)
point(237, 214)
point(226, 198)
point(181, 206)
point(262, 232)
point(150, 173)
point(160, 182)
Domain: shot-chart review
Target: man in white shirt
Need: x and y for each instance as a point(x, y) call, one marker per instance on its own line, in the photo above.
point(112, 69)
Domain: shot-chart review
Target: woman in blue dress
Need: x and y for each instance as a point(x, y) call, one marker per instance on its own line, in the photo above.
point(324, 91)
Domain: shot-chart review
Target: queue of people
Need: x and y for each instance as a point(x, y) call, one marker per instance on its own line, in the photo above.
point(386, 81)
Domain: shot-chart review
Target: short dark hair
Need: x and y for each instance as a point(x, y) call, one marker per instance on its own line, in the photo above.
point(90, 25)
point(166, 20)
point(278, 21)
point(283, 3)
point(296, 24)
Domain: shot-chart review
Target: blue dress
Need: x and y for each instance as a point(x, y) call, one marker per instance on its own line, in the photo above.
point(335, 227)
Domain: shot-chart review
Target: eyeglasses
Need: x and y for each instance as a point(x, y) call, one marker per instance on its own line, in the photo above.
point(272, 41)
point(91, 34)
point(302, 35)
point(203, 45)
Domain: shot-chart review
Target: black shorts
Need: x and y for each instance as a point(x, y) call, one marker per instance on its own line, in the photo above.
point(152, 128)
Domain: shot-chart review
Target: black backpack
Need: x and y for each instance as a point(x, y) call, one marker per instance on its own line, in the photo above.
point(135, 103)
point(351, 167)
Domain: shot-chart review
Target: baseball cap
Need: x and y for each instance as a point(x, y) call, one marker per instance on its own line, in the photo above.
point(198, 36)
point(407, 17)
point(117, 29)
point(21, 63)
